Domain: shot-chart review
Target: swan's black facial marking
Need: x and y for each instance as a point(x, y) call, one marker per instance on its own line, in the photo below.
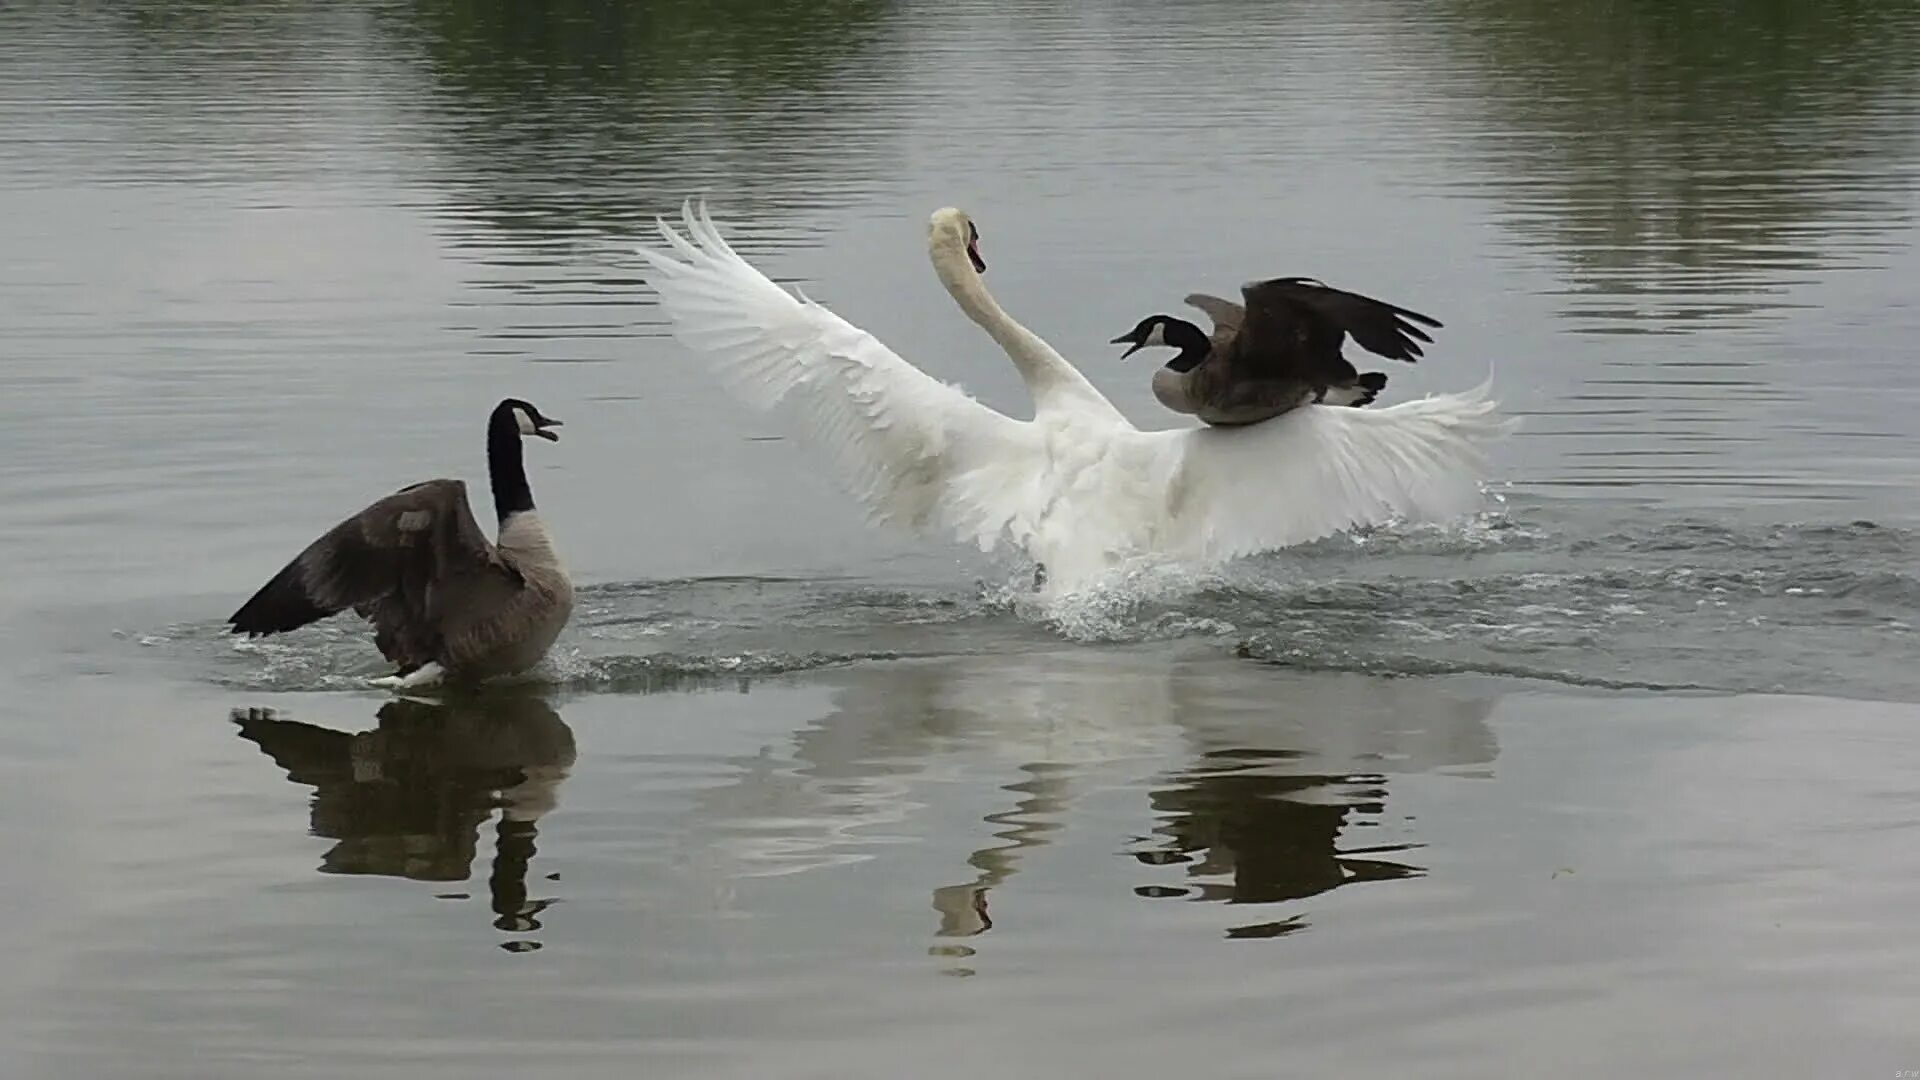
point(973, 249)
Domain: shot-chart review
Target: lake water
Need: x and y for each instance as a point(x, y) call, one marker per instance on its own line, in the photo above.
point(1619, 777)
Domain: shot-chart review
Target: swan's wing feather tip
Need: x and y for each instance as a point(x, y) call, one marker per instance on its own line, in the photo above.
point(910, 448)
point(1320, 471)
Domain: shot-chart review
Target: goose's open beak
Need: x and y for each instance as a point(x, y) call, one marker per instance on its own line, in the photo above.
point(540, 429)
point(1125, 340)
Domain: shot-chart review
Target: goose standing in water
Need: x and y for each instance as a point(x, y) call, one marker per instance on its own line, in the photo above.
point(1077, 488)
point(1278, 352)
point(443, 600)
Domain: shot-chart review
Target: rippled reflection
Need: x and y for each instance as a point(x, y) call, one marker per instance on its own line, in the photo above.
point(407, 798)
point(1042, 800)
point(1272, 837)
point(1690, 161)
point(569, 114)
point(1285, 796)
point(566, 125)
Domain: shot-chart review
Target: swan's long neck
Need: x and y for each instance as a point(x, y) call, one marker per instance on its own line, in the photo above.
point(1052, 381)
point(505, 467)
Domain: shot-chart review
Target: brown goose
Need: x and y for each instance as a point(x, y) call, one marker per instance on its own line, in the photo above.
point(1279, 351)
point(443, 600)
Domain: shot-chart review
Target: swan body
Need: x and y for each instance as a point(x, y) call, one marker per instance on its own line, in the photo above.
point(1078, 488)
point(443, 599)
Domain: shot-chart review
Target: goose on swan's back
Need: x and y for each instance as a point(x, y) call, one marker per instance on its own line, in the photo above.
point(1077, 488)
point(1278, 352)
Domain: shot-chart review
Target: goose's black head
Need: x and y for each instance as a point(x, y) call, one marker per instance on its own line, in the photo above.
point(512, 421)
point(526, 418)
point(1171, 332)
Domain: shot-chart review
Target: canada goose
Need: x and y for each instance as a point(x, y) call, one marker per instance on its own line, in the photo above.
point(443, 600)
point(1077, 488)
point(1283, 355)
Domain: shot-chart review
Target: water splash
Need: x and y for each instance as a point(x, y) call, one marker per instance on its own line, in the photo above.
point(1678, 604)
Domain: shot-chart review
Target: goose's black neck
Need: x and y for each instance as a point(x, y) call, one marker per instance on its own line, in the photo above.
point(505, 466)
point(1193, 343)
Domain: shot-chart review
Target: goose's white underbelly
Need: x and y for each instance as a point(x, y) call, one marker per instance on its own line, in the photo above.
point(526, 537)
point(549, 605)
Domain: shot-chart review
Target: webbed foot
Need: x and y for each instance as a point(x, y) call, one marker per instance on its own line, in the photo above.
point(425, 675)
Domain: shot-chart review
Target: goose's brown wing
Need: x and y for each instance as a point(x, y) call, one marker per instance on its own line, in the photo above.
point(474, 606)
point(1227, 318)
point(403, 563)
point(1328, 313)
point(1283, 341)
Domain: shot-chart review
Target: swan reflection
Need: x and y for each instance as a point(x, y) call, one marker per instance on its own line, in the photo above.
point(1286, 779)
point(1286, 788)
point(407, 798)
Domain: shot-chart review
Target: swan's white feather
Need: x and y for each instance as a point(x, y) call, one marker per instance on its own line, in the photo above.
point(1077, 488)
point(1318, 470)
point(912, 449)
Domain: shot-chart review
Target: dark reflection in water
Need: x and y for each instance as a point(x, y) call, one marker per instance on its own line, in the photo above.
point(1691, 160)
point(1287, 772)
point(1269, 809)
point(540, 139)
point(569, 117)
point(562, 126)
point(1273, 836)
point(407, 798)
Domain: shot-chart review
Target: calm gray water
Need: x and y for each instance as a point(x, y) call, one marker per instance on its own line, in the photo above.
point(1619, 777)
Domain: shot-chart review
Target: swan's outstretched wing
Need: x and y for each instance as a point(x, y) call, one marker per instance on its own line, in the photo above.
point(912, 449)
point(1317, 470)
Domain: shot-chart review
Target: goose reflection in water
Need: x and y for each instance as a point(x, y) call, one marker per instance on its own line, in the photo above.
point(407, 798)
point(1285, 771)
point(1268, 811)
point(1273, 836)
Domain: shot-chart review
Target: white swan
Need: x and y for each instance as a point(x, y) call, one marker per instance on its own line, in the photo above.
point(1078, 488)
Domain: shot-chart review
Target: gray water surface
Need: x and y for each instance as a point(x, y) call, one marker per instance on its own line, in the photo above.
point(1615, 777)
